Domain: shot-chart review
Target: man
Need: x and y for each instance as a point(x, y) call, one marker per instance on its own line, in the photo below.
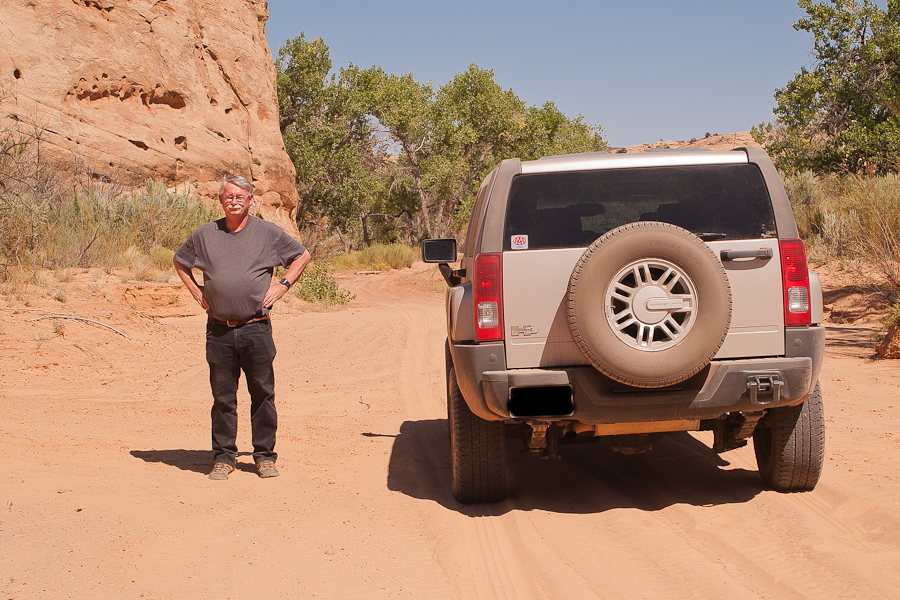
point(237, 255)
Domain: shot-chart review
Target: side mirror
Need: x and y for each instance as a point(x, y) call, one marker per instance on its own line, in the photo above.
point(439, 251)
point(443, 251)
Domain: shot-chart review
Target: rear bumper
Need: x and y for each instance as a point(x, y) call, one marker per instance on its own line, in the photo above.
point(724, 386)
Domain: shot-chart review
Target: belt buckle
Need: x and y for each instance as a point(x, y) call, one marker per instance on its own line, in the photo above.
point(232, 323)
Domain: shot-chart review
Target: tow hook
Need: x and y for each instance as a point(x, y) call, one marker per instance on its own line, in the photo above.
point(760, 386)
point(731, 431)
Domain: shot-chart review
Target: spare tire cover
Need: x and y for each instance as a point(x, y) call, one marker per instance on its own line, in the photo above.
point(649, 304)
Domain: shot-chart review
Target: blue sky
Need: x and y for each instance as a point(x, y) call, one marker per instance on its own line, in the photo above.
point(644, 70)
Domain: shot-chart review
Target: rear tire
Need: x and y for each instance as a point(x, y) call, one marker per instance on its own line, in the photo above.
point(790, 445)
point(448, 364)
point(477, 451)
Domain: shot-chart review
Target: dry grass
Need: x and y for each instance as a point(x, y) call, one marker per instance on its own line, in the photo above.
point(377, 257)
point(852, 220)
point(62, 220)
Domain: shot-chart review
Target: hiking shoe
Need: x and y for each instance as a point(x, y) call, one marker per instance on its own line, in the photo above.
point(266, 468)
point(221, 471)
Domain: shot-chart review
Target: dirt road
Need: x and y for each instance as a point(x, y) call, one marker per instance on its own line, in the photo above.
point(105, 444)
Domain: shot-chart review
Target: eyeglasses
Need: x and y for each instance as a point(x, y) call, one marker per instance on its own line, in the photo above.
point(240, 198)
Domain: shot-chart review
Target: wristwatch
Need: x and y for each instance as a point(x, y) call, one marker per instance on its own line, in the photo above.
point(285, 283)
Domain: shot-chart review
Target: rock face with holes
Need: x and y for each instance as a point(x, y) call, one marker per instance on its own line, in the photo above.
point(180, 90)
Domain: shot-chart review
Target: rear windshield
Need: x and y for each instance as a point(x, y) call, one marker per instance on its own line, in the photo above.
point(572, 209)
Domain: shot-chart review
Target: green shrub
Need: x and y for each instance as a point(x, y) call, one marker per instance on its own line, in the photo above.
point(317, 284)
point(893, 318)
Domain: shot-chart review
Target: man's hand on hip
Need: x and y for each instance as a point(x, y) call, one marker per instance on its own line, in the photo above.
point(200, 297)
point(187, 277)
point(294, 270)
point(274, 293)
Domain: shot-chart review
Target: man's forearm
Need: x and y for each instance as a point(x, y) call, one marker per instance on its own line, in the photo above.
point(295, 269)
point(187, 278)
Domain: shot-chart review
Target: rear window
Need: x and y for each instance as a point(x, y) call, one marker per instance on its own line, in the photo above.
point(572, 209)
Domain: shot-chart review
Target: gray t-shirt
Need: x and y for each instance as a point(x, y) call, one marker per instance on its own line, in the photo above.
point(237, 266)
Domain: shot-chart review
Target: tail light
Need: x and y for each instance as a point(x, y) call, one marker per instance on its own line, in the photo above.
point(795, 276)
point(487, 287)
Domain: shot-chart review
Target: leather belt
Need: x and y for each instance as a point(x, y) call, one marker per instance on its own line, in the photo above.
point(238, 322)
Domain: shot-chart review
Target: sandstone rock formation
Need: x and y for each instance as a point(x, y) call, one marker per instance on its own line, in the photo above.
point(182, 90)
point(889, 346)
point(717, 141)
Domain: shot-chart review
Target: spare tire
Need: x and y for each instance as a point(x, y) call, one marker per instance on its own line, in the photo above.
point(649, 304)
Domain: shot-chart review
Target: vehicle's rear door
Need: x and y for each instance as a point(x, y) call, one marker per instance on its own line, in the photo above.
point(553, 217)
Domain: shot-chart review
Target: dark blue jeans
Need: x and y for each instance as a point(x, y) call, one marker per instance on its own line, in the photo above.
point(230, 350)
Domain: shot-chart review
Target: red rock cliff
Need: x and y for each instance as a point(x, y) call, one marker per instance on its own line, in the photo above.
point(182, 90)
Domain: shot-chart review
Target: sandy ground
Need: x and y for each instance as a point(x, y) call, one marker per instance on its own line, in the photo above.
point(104, 457)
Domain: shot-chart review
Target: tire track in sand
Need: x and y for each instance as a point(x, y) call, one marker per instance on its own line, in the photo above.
point(486, 553)
point(679, 523)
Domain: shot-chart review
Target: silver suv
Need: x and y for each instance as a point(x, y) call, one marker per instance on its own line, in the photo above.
point(623, 296)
